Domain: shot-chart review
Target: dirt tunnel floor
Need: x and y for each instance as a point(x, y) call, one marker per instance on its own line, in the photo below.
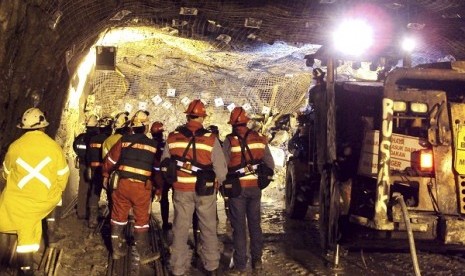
point(291, 248)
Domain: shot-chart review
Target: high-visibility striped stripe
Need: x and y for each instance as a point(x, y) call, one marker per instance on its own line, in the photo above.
point(183, 145)
point(95, 145)
point(5, 169)
point(140, 146)
point(95, 164)
point(111, 160)
point(141, 227)
point(249, 177)
point(135, 170)
point(187, 179)
point(28, 248)
point(178, 145)
point(251, 146)
point(81, 146)
point(63, 171)
point(118, 223)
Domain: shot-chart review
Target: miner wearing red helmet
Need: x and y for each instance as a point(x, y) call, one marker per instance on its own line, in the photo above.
point(246, 152)
point(198, 164)
point(133, 159)
point(157, 130)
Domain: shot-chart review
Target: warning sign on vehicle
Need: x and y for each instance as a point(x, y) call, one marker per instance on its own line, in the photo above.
point(460, 151)
point(401, 148)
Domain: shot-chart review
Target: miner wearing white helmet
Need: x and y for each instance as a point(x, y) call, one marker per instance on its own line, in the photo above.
point(36, 174)
point(133, 159)
point(81, 146)
point(120, 127)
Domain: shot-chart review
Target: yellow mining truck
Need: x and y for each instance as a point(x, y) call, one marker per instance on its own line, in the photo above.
point(374, 145)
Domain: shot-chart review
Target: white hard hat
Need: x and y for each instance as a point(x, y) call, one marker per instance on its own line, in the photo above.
point(33, 118)
point(92, 121)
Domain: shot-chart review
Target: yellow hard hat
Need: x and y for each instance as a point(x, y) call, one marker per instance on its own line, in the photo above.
point(121, 120)
point(92, 121)
point(141, 118)
point(33, 118)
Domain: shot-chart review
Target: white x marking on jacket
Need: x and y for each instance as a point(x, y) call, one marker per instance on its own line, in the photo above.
point(34, 172)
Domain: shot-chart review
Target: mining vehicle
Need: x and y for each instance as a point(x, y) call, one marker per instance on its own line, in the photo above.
point(373, 145)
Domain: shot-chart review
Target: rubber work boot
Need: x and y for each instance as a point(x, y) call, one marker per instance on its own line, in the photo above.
point(118, 242)
point(142, 240)
point(52, 232)
point(26, 264)
point(93, 217)
point(212, 272)
point(257, 265)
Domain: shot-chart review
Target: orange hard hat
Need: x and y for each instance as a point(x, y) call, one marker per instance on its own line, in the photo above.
point(196, 108)
point(157, 127)
point(238, 116)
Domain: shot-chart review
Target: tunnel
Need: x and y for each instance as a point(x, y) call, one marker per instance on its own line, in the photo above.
point(74, 58)
point(148, 54)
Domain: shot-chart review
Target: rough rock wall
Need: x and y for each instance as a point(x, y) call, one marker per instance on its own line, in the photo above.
point(29, 70)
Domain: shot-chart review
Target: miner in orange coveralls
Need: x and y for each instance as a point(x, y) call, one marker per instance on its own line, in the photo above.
point(133, 159)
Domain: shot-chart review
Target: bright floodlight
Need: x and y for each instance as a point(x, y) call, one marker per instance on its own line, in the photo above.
point(353, 37)
point(408, 44)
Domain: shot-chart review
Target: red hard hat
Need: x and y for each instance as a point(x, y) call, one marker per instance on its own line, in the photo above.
point(238, 116)
point(196, 108)
point(157, 127)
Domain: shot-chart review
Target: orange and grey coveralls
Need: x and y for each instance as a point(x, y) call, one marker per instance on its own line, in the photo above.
point(185, 200)
point(36, 174)
point(133, 156)
point(244, 210)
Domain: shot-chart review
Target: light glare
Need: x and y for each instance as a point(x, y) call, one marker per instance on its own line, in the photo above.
point(353, 37)
point(408, 44)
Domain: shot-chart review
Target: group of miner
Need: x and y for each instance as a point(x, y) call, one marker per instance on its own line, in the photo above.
point(117, 154)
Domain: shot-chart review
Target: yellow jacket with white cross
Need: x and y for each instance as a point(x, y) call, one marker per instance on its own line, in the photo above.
point(35, 168)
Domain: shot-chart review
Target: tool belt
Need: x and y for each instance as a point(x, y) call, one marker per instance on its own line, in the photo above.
point(205, 184)
point(265, 175)
point(231, 187)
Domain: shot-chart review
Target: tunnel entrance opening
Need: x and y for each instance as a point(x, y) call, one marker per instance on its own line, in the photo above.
point(161, 73)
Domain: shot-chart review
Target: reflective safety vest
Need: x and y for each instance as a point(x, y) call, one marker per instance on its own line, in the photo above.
point(178, 142)
point(137, 157)
point(81, 144)
point(244, 162)
point(95, 150)
point(36, 173)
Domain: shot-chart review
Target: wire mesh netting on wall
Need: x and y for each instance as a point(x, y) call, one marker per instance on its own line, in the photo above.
point(162, 74)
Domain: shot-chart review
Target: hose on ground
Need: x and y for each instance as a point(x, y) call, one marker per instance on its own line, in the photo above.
point(413, 252)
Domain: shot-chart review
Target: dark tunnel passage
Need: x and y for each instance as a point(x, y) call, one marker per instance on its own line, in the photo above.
point(76, 58)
